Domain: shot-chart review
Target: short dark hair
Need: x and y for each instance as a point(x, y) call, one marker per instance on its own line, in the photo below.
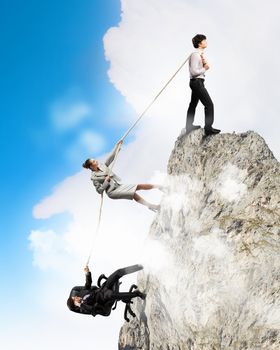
point(71, 305)
point(86, 164)
point(198, 39)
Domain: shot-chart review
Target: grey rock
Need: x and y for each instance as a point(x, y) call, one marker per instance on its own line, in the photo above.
point(218, 231)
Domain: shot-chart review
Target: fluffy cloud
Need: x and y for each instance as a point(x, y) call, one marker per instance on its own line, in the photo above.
point(47, 249)
point(66, 115)
point(152, 39)
point(70, 115)
point(230, 184)
point(87, 142)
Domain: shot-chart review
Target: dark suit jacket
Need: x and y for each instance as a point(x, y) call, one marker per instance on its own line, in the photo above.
point(81, 291)
point(95, 304)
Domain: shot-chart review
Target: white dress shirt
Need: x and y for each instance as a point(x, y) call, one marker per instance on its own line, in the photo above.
point(196, 66)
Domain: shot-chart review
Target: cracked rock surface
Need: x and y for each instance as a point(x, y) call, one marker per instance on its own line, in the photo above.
point(217, 286)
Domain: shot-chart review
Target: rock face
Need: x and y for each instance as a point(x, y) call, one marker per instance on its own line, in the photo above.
point(214, 282)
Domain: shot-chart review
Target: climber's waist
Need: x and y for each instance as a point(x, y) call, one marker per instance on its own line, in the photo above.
point(197, 79)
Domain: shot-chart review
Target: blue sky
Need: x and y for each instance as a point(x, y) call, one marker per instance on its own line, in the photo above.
point(53, 65)
point(50, 52)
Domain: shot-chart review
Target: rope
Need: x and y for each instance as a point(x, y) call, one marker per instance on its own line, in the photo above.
point(119, 147)
point(96, 230)
point(155, 98)
point(100, 209)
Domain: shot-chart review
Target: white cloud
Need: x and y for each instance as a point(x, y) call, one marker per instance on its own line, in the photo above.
point(230, 184)
point(87, 144)
point(210, 244)
point(92, 141)
point(50, 250)
point(154, 36)
point(70, 113)
point(66, 114)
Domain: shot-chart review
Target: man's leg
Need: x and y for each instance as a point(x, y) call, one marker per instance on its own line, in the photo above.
point(205, 99)
point(105, 303)
point(127, 296)
point(192, 107)
point(114, 277)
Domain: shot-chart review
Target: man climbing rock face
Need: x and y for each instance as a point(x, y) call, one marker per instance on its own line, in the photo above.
point(197, 67)
point(105, 180)
point(100, 300)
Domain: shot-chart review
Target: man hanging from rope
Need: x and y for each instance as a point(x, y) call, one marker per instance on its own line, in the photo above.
point(105, 180)
point(198, 66)
point(100, 300)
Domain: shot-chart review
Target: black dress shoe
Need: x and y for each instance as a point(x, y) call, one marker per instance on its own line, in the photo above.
point(190, 128)
point(140, 294)
point(216, 130)
point(211, 131)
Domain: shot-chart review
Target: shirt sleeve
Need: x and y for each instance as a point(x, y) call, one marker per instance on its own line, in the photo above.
point(112, 156)
point(88, 280)
point(100, 188)
point(195, 65)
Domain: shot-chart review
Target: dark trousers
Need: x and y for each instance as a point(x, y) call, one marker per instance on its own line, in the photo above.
point(102, 300)
point(109, 290)
point(199, 93)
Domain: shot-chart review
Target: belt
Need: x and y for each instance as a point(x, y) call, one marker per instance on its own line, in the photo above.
point(197, 79)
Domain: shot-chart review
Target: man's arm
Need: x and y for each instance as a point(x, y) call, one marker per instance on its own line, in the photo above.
point(86, 309)
point(98, 309)
point(194, 65)
point(88, 278)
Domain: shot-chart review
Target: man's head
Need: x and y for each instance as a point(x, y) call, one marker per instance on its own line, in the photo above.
point(74, 303)
point(199, 41)
point(91, 164)
point(77, 300)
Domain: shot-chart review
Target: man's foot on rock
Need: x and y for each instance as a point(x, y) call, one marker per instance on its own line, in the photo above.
point(163, 189)
point(211, 131)
point(216, 130)
point(154, 207)
point(190, 128)
point(183, 132)
point(141, 295)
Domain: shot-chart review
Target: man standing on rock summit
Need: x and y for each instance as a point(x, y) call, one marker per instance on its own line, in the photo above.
point(198, 66)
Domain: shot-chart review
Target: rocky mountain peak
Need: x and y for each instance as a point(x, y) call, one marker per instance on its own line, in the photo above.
point(214, 279)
